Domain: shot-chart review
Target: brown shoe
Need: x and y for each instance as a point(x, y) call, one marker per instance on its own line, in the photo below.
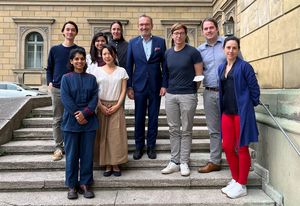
point(209, 167)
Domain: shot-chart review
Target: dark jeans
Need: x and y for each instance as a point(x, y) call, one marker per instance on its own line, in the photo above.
point(79, 146)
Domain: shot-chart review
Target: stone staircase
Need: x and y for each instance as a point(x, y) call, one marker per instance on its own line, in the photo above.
point(28, 176)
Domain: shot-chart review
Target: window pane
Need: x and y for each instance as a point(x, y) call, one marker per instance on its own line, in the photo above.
point(39, 37)
point(3, 86)
point(11, 87)
point(29, 56)
point(39, 57)
point(34, 51)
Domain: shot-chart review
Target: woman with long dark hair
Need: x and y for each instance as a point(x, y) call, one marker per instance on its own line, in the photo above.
point(94, 59)
point(118, 41)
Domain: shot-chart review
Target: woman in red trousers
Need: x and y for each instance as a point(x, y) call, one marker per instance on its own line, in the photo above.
point(239, 94)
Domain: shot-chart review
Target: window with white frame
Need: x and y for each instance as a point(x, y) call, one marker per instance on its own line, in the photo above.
point(34, 45)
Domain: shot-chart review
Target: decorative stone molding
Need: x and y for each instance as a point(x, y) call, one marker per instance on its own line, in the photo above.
point(106, 22)
point(156, 3)
point(28, 20)
point(102, 25)
point(192, 25)
point(229, 8)
point(218, 16)
point(26, 26)
point(24, 76)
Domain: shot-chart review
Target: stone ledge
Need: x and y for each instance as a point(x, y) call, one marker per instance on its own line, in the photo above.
point(14, 110)
point(153, 3)
point(137, 197)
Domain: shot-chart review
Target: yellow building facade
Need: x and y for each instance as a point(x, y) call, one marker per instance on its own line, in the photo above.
point(268, 30)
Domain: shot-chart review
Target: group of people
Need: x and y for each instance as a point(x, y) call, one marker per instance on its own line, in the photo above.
point(88, 101)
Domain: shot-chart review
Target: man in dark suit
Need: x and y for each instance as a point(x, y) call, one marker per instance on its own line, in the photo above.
point(146, 84)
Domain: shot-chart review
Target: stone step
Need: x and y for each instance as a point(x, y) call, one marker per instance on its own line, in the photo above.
point(142, 178)
point(47, 146)
point(46, 122)
point(44, 161)
point(163, 133)
point(137, 197)
point(47, 111)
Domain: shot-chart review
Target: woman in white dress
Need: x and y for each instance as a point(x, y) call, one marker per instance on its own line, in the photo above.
point(111, 142)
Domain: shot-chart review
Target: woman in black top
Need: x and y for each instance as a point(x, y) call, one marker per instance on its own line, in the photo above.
point(118, 41)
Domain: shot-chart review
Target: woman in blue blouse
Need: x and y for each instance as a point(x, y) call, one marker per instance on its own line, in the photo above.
point(79, 95)
point(239, 94)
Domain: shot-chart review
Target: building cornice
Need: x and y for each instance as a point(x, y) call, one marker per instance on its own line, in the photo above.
point(105, 22)
point(153, 3)
point(183, 21)
point(28, 20)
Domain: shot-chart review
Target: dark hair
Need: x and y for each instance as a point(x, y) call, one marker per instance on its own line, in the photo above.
point(112, 50)
point(93, 49)
point(210, 20)
point(233, 38)
point(145, 16)
point(178, 26)
point(72, 55)
point(121, 26)
point(70, 22)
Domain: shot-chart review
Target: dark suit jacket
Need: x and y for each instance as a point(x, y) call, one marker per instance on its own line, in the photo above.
point(142, 71)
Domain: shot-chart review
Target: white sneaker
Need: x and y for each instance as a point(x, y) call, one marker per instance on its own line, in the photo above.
point(172, 167)
point(184, 169)
point(237, 191)
point(228, 187)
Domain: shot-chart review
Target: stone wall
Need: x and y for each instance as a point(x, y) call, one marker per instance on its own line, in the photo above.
point(269, 31)
point(271, 28)
point(18, 17)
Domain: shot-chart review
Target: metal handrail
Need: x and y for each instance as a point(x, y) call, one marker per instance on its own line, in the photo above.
point(284, 133)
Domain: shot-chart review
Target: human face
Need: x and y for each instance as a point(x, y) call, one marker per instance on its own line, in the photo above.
point(210, 31)
point(107, 57)
point(69, 32)
point(100, 41)
point(78, 62)
point(145, 26)
point(179, 36)
point(116, 31)
point(231, 50)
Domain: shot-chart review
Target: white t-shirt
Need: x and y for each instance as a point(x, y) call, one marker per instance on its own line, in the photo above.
point(109, 84)
point(90, 66)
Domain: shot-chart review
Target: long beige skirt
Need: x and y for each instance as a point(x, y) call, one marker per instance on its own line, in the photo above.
point(111, 145)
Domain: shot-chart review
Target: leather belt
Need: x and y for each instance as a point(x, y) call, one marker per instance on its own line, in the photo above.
point(214, 89)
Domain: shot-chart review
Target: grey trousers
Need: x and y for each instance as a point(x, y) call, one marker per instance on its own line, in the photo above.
point(58, 110)
point(180, 110)
point(212, 113)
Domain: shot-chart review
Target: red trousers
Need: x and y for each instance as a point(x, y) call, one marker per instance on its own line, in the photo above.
point(237, 157)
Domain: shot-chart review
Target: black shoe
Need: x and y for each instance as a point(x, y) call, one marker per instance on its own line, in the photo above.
point(72, 194)
point(138, 153)
point(107, 173)
point(117, 173)
point(86, 191)
point(151, 153)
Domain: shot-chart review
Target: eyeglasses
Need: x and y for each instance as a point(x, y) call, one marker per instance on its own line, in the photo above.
point(179, 33)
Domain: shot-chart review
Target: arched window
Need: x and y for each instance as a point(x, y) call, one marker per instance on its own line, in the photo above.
point(34, 46)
